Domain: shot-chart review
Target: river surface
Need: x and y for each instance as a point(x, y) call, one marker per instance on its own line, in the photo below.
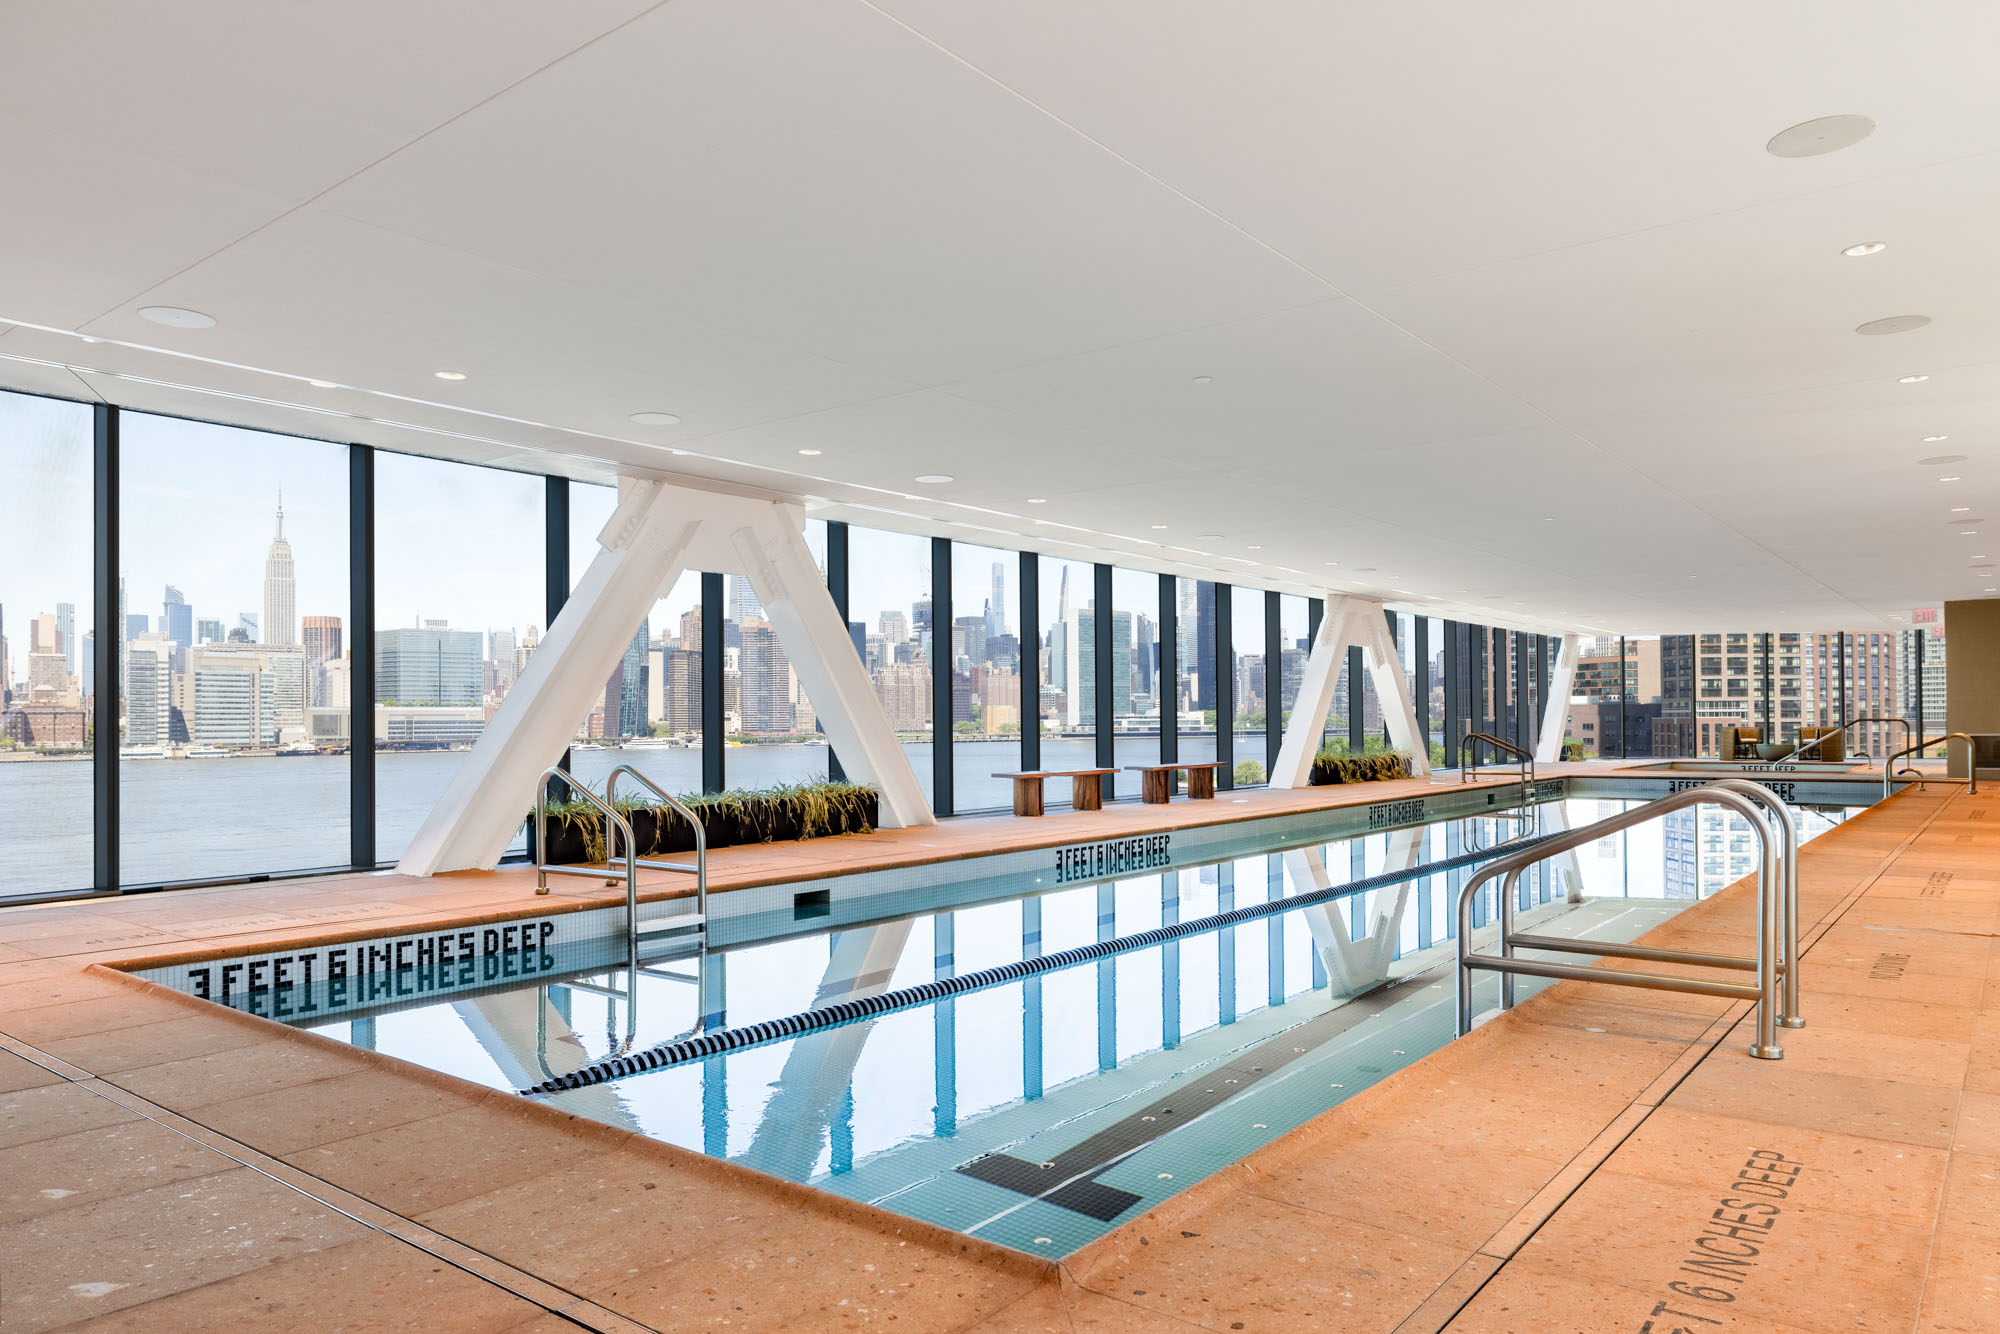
point(245, 815)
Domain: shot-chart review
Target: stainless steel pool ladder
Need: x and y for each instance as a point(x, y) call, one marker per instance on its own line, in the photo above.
point(615, 824)
point(1776, 988)
point(700, 866)
point(1469, 757)
point(1971, 779)
point(1815, 743)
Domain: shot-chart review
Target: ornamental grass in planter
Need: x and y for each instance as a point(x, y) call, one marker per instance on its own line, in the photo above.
point(1330, 767)
point(764, 815)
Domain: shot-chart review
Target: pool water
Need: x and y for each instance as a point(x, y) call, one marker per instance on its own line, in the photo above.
point(1043, 1111)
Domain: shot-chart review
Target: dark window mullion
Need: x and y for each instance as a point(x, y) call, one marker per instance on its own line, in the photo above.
point(109, 647)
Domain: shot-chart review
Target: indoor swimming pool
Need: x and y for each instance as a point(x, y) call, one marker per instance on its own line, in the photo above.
point(1037, 1111)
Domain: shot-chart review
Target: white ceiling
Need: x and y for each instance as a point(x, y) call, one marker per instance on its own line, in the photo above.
point(1448, 268)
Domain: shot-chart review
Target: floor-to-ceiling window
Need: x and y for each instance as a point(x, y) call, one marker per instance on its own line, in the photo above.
point(460, 572)
point(46, 645)
point(1430, 702)
point(986, 675)
point(233, 549)
point(1294, 647)
point(1247, 626)
point(889, 592)
point(1194, 616)
point(772, 731)
point(1069, 661)
point(1135, 663)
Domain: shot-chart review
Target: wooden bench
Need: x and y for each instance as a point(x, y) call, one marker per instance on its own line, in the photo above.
point(1086, 793)
point(1156, 785)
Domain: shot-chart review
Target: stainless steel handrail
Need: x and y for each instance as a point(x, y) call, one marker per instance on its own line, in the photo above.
point(1788, 888)
point(614, 822)
point(1971, 779)
point(1825, 737)
point(1770, 919)
point(1469, 756)
point(700, 867)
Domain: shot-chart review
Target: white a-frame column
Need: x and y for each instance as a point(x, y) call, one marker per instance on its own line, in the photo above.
point(1548, 747)
point(1349, 621)
point(657, 532)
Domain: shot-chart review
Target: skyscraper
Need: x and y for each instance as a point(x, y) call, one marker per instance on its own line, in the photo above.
point(147, 680)
point(996, 609)
point(1204, 646)
point(323, 645)
point(66, 628)
point(743, 602)
point(429, 664)
point(281, 607)
point(625, 690)
point(766, 691)
point(177, 624)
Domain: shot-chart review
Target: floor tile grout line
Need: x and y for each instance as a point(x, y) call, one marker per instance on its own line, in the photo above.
point(1726, 1022)
point(245, 1156)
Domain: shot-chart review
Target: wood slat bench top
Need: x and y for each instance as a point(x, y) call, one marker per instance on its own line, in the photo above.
point(1184, 764)
point(1054, 773)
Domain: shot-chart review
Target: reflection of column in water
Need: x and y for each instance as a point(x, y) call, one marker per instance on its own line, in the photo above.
point(1225, 945)
point(1170, 963)
point(1107, 980)
point(1274, 878)
point(843, 1134)
point(715, 1106)
point(361, 1033)
point(944, 1019)
point(714, 1005)
point(1031, 1001)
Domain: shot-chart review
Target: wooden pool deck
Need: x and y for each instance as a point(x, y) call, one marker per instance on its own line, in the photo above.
point(167, 1165)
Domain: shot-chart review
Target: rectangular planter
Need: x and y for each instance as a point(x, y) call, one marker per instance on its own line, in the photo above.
point(661, 831)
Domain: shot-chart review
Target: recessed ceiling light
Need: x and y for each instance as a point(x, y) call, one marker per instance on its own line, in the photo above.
point(809, 453)
point(1949, 479)
point(1893, 324)
point(177, 317)
point(1209, 537)
point(1253, 548)
point(322, 384)
point(1913, 379)
point(449, 375)
point(1936, 459)
point(934, 478)
point(1933, 439)
point(1548, 518)
point(1969, 532)
point(656, 419)
point(1038, 500)
point(1159, 526)
point(1960, 509)
point(1333, 562)
point(1865, 248)
point(1203, 379)
point(1825, 134)
point(1364, 569)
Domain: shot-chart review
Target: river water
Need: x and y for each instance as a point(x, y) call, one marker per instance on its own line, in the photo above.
point(246, 815)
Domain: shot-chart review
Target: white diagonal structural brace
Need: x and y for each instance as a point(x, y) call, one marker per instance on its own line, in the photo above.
point(657, 532)
point(1349, 621)
point(1555, 710)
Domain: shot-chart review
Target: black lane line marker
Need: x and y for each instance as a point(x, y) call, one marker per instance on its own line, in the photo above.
point(1069, 1180)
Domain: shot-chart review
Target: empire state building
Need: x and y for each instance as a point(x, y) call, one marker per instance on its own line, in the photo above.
point(281, 601)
